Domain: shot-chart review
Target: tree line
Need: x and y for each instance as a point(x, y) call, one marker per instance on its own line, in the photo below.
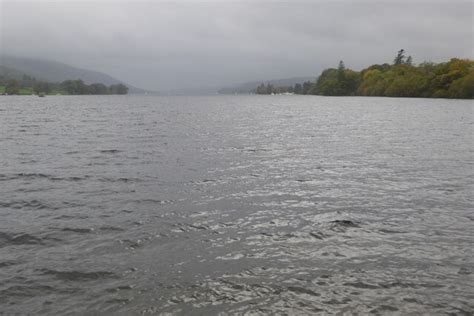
point(70, 87)
point(79, 87)
point(452, 79)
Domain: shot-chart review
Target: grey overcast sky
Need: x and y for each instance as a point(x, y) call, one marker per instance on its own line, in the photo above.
point(162, 45)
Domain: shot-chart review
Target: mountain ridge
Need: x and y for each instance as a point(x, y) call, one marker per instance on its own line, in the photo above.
point(54, 71)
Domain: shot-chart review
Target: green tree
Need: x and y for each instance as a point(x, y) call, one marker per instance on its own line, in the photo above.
point(269, 88)
point(337, 82)
point(75, 87)
point(327, 75)
point(81, 87)
point(351, 82)
point(98, 88)
point(400, 58)
point(261, 89)
point(41, 87)
point(12, 87)
point(298, 88)
point(118, 89)
point(462, 88)
point(331, 87)
point(452, 79)
point(306, 87)
point(341, 71)
point(68, 86)
point(444, 74)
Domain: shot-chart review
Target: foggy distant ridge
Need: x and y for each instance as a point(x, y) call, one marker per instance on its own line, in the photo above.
point(249, 87)
point(53, 71)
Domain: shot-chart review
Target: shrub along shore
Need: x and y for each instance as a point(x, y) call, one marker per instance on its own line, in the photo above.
point(29, 86)
point(453, 79)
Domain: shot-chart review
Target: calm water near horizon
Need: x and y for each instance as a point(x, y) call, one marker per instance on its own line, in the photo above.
point(259, 204)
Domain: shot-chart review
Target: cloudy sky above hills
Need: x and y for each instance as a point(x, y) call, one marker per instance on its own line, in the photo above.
point(162, 45)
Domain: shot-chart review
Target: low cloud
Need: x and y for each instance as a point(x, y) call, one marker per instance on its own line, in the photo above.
point(164, 45)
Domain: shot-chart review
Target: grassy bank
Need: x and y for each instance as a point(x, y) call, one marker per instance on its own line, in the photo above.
point(23, 91)
point(29, 91)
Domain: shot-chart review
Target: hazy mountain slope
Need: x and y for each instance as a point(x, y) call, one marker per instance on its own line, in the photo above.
point(10, 73)
point(57, 72)
point(249, 87)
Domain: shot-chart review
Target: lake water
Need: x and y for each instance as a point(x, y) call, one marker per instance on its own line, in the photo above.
point(260, 204)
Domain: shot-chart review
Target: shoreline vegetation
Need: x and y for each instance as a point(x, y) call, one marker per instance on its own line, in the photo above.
point(453, 79)
point(30, 86)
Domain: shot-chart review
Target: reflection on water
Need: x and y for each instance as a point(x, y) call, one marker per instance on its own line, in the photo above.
point(237, 204)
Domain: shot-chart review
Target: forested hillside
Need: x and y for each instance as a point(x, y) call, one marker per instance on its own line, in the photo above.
point(452, 79)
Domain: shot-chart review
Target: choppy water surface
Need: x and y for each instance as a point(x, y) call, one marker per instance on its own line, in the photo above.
point(299, 205)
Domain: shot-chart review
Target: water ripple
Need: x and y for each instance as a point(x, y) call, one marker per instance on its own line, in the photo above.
point(235, 205)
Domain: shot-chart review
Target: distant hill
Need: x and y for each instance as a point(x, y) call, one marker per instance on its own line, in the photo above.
point(249, 87)
point(56, 72)
point(10, 73)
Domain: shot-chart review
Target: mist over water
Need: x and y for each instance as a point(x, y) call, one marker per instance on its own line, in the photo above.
point(291, 204)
